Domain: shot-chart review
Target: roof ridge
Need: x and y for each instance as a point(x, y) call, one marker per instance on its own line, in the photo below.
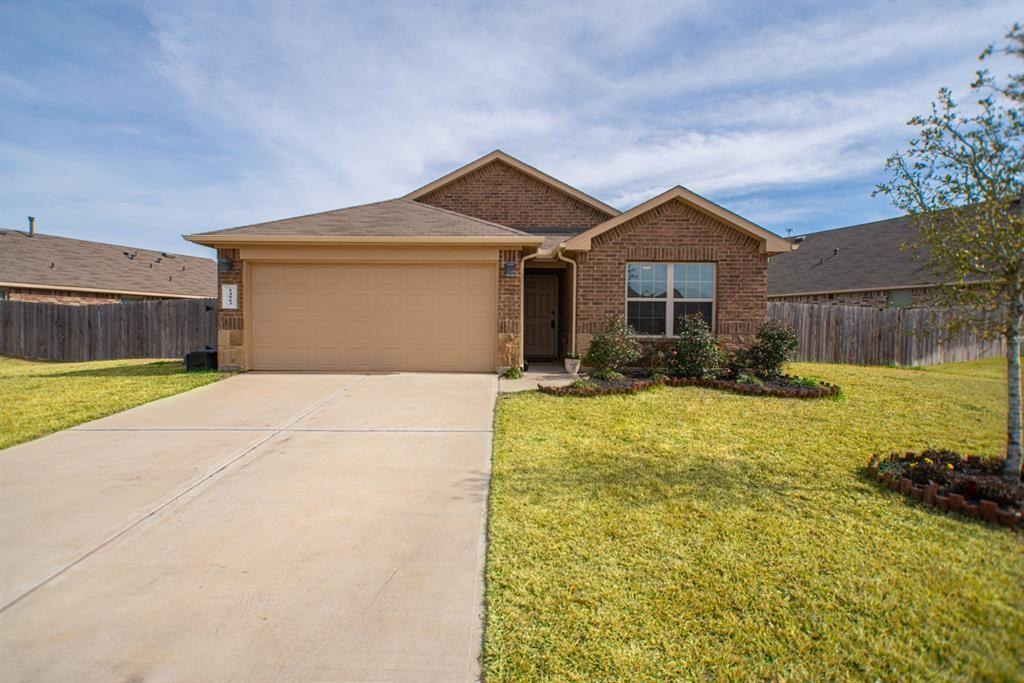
point(855, 225)
point(104, 244)
point(462, 215)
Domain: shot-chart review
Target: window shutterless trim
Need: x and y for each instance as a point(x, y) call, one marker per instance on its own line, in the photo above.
point(670, 299)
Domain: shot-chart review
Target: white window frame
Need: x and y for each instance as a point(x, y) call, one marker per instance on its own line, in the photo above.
point(670, 299)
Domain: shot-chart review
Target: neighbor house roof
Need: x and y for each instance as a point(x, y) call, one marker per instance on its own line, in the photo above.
point(393, 220)
point(856, 258)
point(51, 262)
point(771, 243)
point(498, 155)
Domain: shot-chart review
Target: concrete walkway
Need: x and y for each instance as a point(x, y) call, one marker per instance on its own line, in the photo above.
point(268, 527)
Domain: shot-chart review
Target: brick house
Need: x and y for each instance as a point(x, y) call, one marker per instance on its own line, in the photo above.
point(52, 269)
point(859, 265)
point(492, 265)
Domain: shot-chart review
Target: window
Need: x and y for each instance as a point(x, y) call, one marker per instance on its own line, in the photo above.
point(900, 298)
point(652, 306)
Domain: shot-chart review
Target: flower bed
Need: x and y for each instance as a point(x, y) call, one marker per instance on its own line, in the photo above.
point(950, 481)
point(785, 387)
point(600, 387)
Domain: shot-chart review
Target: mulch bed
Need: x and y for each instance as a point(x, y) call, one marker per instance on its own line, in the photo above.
point(782, 388)
point(602, 387)
point(950, 481)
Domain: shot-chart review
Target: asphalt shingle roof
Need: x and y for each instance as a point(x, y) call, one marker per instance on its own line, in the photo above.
point(869, 257)
point(27, 260)
point(390, 218)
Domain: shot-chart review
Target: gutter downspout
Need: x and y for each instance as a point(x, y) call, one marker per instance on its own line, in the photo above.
point(522, 312)
point(572, 324)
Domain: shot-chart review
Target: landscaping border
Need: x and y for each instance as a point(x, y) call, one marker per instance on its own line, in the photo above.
point(986, 510)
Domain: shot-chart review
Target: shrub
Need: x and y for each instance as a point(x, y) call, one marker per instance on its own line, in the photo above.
point(695, 352)
point(747, 378)
point(572, 355)
point(774, 345)
point(613, 350)
point(512, 373)
point(808, 382)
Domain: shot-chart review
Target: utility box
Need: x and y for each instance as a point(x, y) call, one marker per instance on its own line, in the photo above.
point(201, 360)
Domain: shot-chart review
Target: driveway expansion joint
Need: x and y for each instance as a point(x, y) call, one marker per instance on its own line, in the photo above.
point(177, 496)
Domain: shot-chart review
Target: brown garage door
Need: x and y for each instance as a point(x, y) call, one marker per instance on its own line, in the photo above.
point(373, 317)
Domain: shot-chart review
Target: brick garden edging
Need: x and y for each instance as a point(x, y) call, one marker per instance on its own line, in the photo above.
point(986, 510)
point(825, 389)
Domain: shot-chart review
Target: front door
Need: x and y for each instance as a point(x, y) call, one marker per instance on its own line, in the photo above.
point(540, 314)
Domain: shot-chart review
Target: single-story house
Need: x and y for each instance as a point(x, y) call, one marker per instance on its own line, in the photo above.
point(862, 265)
point(49, 268)
point(488, 266)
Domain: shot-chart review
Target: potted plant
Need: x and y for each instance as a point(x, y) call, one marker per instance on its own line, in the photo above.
point(572, 363)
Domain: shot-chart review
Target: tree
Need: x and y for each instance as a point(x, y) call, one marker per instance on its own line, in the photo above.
point(961, 179)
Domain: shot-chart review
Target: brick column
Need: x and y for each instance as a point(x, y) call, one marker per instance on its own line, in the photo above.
point(510, 307)
point(230, 334)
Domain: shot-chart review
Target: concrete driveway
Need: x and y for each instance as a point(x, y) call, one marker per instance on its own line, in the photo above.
point(269, 527)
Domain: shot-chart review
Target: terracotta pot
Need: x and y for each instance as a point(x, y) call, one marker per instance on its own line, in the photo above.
point(970, 509)
point(989, 511)
point(906, 485)
point(930, 491)
point(942, 502)
point(956, 501)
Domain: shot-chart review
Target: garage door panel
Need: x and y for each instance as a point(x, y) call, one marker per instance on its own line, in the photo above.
point(373, 317)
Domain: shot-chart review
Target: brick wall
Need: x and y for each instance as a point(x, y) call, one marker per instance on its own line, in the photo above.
point(501, 194)
point(510, 301)
point(674, 232)
point(230, 333)
point(68, 297)
point(919, 297)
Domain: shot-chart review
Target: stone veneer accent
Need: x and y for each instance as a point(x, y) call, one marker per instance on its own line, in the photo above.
point(502, 194)
point(510, 300)
point(230, 330)
point(674, 232)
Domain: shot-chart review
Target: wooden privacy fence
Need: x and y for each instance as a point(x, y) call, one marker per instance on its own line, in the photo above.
point(137, 329)
point(865, 335)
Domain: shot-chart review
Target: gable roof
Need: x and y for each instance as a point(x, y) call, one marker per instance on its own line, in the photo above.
point(869, 257)
point(499, 156)
point(52, 262)
point(770, 242)
point(393, 220)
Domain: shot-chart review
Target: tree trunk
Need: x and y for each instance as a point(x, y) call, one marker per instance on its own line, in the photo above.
point(1012, 467)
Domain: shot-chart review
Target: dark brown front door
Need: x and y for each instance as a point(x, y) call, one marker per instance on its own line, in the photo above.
point(540, 316)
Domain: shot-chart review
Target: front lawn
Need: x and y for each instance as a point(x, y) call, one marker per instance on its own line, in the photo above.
point(687, 533)
point(38, 397)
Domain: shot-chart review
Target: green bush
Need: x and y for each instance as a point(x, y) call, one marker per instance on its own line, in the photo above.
point(513, 372)
point(613, 350)
point(773, 347)
point(695, 352)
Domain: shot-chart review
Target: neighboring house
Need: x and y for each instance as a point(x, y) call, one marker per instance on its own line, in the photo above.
point(858, 265)
point(493, 263)
point(47, 268)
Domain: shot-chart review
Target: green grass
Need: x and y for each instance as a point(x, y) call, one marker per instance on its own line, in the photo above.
point(685, 533)
point(38, 397)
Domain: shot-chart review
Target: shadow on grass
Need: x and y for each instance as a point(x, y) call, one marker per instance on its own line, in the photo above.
point(640, 481)
point(156, 369)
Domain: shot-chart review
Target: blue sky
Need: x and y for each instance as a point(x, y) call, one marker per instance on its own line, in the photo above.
point(135, 123)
